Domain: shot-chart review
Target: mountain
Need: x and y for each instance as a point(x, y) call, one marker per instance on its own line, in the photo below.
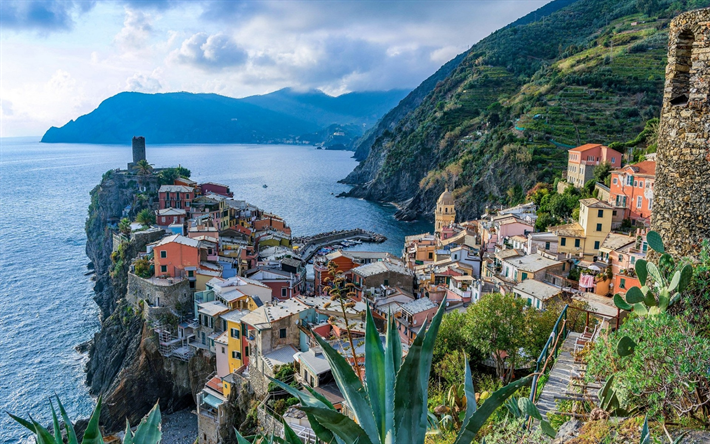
point(504, 117)
point(281, 116)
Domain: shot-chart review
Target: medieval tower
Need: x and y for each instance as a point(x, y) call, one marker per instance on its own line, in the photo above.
point(445, 213)
point(681, 212)
point(138, 145)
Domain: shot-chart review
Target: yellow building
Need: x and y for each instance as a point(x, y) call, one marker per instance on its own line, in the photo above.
point(445, 213)
point(237, 348)
point(583, 238)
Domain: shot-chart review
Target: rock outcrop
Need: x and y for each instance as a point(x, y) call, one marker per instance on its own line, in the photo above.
point(125, 365)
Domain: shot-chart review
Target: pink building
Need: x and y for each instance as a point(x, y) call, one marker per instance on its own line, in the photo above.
point(583, 159)
point(175, 196)
point(631, 190)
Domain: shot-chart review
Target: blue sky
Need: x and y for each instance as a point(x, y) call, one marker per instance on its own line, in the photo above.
point(60, 59)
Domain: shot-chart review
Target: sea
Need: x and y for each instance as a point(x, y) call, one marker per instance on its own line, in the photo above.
point(46, 305)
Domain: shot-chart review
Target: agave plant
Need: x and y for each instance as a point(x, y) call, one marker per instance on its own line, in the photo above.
point(391, 407)
point(653, 298)
point(290, 437)
point(147, 432)
point(524, 408)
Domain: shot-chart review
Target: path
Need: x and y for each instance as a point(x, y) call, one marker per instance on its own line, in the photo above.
point(563, 370)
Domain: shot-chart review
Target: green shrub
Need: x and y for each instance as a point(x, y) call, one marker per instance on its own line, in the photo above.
point(667, 375)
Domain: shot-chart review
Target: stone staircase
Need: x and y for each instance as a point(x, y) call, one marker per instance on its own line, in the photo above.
point(563, 370)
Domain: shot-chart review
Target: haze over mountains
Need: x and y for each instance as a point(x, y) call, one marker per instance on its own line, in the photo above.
point(286, 115)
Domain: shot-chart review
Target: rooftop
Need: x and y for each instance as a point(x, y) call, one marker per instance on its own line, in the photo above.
point(171, 212)
point(235, 315)
point(568, 230)
point(376, 268)
point(175, 189)
point(280, 356)
point(263, 316)
point(615, 241)
point(212, 308)
point(539, 290)
point(585, 147)
point(645, 168)
point(418, 306)
point(595, 203)
point(315, 360)
point(532, 263)
point(178, 239)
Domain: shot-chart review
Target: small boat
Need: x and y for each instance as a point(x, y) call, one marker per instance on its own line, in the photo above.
point(264, 186)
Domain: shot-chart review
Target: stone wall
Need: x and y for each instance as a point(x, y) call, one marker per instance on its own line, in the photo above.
point(681, 213)
point(159, 292)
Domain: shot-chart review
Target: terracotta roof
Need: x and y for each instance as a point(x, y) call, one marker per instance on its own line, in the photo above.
point(585, 147)
point(646, 168)
point(568, 230)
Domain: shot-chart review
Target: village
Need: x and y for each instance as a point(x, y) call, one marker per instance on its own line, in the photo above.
point(225, 280)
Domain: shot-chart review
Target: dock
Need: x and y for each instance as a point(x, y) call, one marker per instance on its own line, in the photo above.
point(308, 246)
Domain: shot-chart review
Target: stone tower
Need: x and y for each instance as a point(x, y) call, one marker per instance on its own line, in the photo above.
point(445, 212)
point(681, 211)
point(138, 145)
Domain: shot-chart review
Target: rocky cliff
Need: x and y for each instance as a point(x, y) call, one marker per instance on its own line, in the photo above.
point(125, 366)
point(573, 72)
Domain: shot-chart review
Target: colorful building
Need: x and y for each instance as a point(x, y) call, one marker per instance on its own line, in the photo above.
point(583, 159)
point(445, 213)
point(583, 238)
point(175, 196)
point(631, 191)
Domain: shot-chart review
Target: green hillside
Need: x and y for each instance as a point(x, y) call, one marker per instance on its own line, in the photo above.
point(592, 71)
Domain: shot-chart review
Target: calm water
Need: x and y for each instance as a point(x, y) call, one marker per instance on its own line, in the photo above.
point(45, 300)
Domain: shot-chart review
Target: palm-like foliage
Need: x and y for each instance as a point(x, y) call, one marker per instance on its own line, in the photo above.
point(391, 407)
point(143, 168)
point(147, 432)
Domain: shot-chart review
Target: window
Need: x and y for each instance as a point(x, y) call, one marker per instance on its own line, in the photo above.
point(282, 333)
point(563, 241)
point(633, 260)
point(576, 243)
point(613, 161)
point(622, 283)
point(246, 351)
point(525, 276)
point(629, 180)
point(386, 282)
point(640, 183)
point(431, 255)
point(636, 183)
point(613, 213)
point(190, 273)
point(283, 292)
point(615, 181)
point(600, 213)
point(222, 349)
point(244, 329)
point(599, 227)
point(163, 268)
point(596, 245)
point(234, 332)
point(650, 203)
point(547, 245)
point(236, 355)
point(639, 201)
point(163, 254)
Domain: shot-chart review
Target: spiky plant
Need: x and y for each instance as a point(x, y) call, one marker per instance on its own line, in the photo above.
point(391, 406)
point(342, 291)
point(148, 431)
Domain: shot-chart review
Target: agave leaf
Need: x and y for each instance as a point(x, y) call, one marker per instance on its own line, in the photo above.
point(412, 382)
point(625, 347)
point(26, 424)
point(319, 397)
point(656, 274)
point(393, 362)
point(512, 407)
point(92, 435)
point(686, 274)
point(604, 392)
point(641, 271)
point(654, 241)
point(321, 432)
point(352, 389)
point(470, 391)
point(55, 423)
point(42, 435)
point(342, 426)
point(290, 436)
point(674, 281)
point(71, 434)
point(621, 303)
point(470, 429)
point(680, 437)
point(148, 431)
point(527, 407)
point(547, 429)
point(128, 435)
point(634, 295)
point(306, 399)
point(645, 434)
point(375, 370)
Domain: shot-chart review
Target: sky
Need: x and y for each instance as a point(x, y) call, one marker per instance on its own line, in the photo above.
point(60, 58)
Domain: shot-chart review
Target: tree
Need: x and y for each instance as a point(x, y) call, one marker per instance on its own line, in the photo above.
point(497, 326)
point(124, 226)
point(143, 268)
point(168, 176)
point(145, 217)
point(143, 168)
point(183, 172)
point(602, 171)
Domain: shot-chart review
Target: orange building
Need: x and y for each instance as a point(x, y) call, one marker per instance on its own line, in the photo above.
point(583, 159)
point(269, 221)
point(179, 256)
point(632, 190)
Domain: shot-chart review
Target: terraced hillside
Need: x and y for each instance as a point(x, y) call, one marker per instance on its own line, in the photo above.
point(589, 71)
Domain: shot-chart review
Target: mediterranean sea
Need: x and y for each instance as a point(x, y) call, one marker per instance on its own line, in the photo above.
point(46, 305)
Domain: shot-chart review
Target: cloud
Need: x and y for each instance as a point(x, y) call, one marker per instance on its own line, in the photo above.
point(210, 52)
point(145, 83)
point(40, 15)
point(6, 108)
point(136, 30)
